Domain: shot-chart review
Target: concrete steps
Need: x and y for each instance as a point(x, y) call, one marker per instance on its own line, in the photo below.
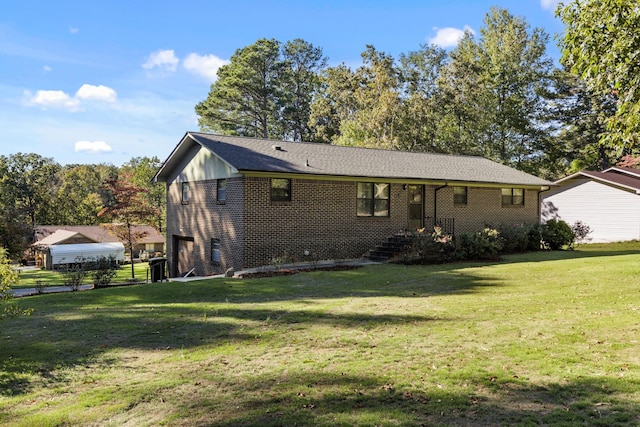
point(386, 250)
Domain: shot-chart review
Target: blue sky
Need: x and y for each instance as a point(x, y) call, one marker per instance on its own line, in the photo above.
point(105, 81)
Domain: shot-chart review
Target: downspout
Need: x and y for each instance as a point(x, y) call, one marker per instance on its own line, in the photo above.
point(435, 201)
point(540, 202)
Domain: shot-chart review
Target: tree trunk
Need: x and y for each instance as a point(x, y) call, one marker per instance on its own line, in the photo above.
point(133, 274)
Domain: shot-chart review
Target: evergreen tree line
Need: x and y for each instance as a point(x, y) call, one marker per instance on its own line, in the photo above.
point(35, 190)
point(497, 95)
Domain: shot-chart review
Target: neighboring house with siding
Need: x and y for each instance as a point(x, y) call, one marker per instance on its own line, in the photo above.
point(45, 236)
point(608, 202)
point(240, 202)
point(64, 247)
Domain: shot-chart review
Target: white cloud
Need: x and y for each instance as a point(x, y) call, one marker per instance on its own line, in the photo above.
point(549, 4)
point(53, 98)
point(47, 68)
point(92, 147)
point(60, 99)
point(163, 59)
point(449, 37)
point(73, 30)
point(204, 65)
point(96, 93)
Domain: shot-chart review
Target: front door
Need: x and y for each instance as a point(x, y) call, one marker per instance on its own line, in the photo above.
point(416, 206)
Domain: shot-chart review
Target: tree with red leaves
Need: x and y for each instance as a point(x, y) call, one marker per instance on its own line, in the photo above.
point(629, 161)
point(127, 208)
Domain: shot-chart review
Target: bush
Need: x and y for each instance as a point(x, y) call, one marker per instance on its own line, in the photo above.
point(520, 237)
point(485, 244)
point(39, 287)
point(103, 271)
point(535, 237)
point(8, 278)
point(74, 274)
point(556, 234)
point(488, 243)
point(428, 248)
point(515, 238)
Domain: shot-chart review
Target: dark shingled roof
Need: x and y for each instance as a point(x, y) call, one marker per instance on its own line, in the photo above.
point(96, 233)
point(626, 181)
point(264, 155)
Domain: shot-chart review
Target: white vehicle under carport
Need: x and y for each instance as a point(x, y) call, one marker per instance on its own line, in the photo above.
point(60, 255)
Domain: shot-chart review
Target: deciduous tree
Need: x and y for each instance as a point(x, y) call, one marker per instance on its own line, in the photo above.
point(28, 183)
point(33, 179)
point(335, 103)
point(376, 122)
point(372, 98)
point(576, 119)
point(14, 230)
point(494, 86)
point(128, 209)
point(421, 109)
point(142, 171)
point(466, 103)
point(78, 197)
point(601, 44)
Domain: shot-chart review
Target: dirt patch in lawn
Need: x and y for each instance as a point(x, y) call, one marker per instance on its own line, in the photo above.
point(289, 271)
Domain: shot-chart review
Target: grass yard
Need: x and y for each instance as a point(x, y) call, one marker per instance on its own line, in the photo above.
point(549, 338)
point(29, 278)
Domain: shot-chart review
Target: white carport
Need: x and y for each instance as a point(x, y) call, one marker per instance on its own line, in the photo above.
point(66, 254)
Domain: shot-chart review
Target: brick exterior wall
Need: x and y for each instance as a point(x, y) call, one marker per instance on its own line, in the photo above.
point(484, 206)
point(320, 218)
point(202, 219)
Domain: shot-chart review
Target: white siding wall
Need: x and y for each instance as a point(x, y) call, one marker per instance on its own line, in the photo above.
point(202, 165)
point(612, 214)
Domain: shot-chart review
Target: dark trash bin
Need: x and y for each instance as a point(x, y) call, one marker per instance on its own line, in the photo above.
point(158, 267)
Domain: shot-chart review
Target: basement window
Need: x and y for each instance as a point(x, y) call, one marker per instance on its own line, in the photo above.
point(221, 195)
point(185, 193)
point(215, 251)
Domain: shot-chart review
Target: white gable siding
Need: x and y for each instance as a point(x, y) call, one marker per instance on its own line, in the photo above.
point(203, 165)
point(613, 214)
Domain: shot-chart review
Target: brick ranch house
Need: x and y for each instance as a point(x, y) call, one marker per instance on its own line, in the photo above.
point(239, 202)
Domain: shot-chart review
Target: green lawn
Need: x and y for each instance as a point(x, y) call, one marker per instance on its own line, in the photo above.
point(29, 278)
point(548, 338)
